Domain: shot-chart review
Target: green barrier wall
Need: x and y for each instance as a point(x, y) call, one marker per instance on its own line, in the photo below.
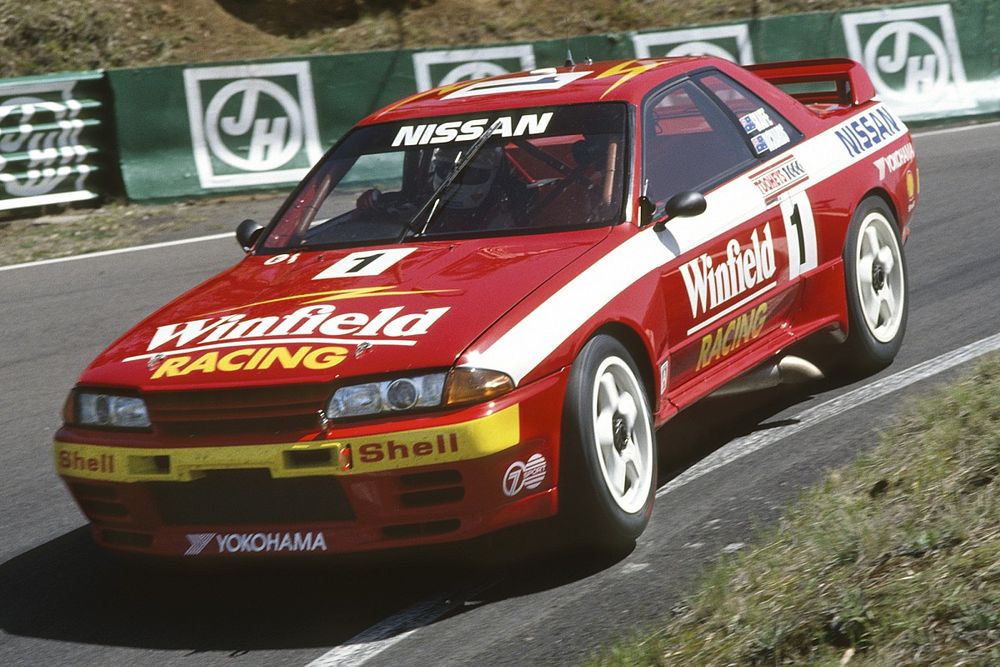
point(211, 129)
point(55, 143)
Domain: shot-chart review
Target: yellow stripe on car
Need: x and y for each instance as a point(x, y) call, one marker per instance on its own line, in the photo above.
point(370, 453)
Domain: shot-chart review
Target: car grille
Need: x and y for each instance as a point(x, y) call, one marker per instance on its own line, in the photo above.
point(269, 410)
point(250, 497)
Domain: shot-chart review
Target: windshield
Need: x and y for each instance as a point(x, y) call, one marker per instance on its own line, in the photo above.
point(541, 169)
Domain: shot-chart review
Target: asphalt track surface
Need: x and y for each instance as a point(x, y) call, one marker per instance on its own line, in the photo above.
point(508, 601)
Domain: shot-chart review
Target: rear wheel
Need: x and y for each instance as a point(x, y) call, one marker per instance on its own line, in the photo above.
point(608, 450)
point(875, 271)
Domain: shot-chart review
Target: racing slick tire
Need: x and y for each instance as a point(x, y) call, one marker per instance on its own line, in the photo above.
point(877, 300)
point(609, 450)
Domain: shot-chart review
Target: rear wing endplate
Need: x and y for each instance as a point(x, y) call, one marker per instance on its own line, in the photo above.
point(850, 82)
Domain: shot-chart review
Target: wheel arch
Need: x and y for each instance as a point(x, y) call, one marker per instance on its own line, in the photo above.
point(884, 195)
point(636, 347)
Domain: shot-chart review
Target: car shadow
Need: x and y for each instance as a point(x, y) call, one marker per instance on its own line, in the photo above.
point(69, 590)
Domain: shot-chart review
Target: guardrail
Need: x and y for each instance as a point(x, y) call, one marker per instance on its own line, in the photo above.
point(55, 144)
point(195, 130)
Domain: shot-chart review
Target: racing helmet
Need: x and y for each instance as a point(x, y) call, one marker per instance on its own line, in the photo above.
point(473, 186)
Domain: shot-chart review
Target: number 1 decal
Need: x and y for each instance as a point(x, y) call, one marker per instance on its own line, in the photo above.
point(800, 230)
point(364, 263)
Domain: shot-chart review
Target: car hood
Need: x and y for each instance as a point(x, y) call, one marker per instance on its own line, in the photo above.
point(317, 316)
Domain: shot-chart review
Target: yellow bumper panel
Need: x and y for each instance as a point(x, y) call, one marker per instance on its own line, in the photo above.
point(371, 453)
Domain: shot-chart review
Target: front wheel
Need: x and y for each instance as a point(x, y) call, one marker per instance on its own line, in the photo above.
point(608, 448)
point(875, 271)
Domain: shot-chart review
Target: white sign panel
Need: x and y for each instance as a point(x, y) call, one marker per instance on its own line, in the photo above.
point(731, 42)
point(252, 124)
point(912, 56)
point(41, 121)
point(440, 68)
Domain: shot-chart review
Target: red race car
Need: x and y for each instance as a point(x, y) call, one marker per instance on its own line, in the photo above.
point(479, 305)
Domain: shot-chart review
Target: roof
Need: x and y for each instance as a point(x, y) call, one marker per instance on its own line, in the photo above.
point(619, 80)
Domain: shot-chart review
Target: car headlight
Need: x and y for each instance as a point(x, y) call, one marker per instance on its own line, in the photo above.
point(413, 392)
point(109, 410)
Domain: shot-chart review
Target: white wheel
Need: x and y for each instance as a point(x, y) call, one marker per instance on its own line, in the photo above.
point(607, 478)
point(622, 434)
point(880, 279)
point(875, 275)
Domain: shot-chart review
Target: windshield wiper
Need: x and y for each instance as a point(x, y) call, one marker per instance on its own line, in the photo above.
point(433, 203)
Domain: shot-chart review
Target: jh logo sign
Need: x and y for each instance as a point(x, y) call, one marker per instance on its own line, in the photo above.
point(912, 56)
point(253, 124)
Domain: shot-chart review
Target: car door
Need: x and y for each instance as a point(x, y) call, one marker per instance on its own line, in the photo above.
point(730, 289)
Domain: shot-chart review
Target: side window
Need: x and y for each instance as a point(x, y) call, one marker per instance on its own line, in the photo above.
point(689, 143)
point(769, 133)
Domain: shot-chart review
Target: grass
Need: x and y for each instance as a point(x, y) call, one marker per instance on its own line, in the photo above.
point(53, 35)
point(894, 560)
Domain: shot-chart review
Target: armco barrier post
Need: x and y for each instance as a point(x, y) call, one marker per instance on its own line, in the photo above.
point(55, 143)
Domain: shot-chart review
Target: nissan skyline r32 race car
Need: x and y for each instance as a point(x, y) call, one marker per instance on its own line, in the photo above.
point(479, 305)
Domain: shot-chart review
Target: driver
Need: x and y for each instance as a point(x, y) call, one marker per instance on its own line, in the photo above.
point(471, 202)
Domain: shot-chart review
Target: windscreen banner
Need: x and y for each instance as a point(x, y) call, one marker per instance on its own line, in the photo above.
point(199, 130)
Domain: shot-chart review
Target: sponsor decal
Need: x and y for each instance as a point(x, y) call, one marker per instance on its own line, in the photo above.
point(524, 475)
point(894, 160)
point(756, 121)
point(911, 190)
point(42, 121)
point(770, 140)
point(868, 131)
point(71, 461)
point(627, 70)
point(236, 543)
point(443, 68)
point(252, 124)
point(520, 84)
point(744, 268)
point(730, 337)
point(470, 130)
point(912, 55)
point(779, 178)
point(251, 359)
point(310, 337)
point(391, 450)
point(731, 42)
point(445, 443)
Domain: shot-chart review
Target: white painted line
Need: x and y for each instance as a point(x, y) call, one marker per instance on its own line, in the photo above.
point(383, 634)
point(749, 444)
point(118, 251)
point(961, 128)
point(387, 633)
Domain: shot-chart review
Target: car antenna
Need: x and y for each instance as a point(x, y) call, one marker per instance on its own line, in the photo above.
point(569, 58)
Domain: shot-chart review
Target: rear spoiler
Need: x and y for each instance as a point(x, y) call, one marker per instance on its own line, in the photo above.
point(851, 83)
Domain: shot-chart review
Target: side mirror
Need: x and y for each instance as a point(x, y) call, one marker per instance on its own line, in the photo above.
point(683, 205)
point(247, 233)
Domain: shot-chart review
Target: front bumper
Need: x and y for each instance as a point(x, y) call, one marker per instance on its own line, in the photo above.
point(425, 480)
